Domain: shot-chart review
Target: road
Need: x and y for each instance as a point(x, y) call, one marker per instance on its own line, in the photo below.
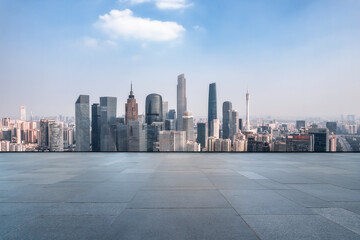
point(344, 144)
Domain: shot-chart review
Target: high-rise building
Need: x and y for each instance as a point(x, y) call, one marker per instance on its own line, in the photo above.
point(215, 128)
point(44, 140)
point(202, 135)
point(165, 108)
point(226, 145)
point(212, 106)
point(131, 108)
point(82, 123)
point(153, 133)
point(241, 125)
point(121, 137)
point(192, 146)
point(56, 137)
point(170, 124)
point(172, 141)
point(181, 101)
point(22, 113)
point(5, 122)
point(227, 120)
point(332, 143)
point(300, 143)
point(235, 122)
point(331, 126)
point(247, 126)
point(95, 127)
point(137, 136)
point(321, 139)
point(188, 125)
point(153, 108)
point(108, 124)
point(172, 114)
point(300, 124)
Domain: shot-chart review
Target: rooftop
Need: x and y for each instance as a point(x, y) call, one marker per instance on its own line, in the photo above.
point(179, 196)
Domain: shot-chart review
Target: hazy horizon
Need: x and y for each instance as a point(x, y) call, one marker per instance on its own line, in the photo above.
point(298, 59)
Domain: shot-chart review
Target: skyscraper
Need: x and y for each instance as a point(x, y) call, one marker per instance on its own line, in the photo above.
point(235, 122)
point(82, 123)
point(153, 132)
point(202, 134)
point(153, 108)
point(131, 108)
point(56, 137)
point(321, 139)
point(172, 141)
point(215, 128)
point(212, 106)
point(121, 137)
point(300, 124)
point(137, 137)
point(44, 133)
point(165, 107)
point(108, 124)
point(181, 100)
point(247, 126)
point(188, 125)
point(240, 124)
point(95, 127)
point(22, 113)
point(331, 126)
point(227, 120)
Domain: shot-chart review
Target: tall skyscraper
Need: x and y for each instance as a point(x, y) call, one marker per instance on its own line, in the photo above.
point(131, 108)
point(321, 139)
point(300, 124)
point(181, 100)
point(172, 141)
point(44, 140)
point(121, 137)
point(172, 114)
point(235, 122)
point(227, 120)
point(22, 113)
point(247, 126)
point(153, 108)
point(95, 127)
point(82, 123)
point(202, 135)
point(215, 128)
point(188, 125)
point(241, 124)
point(153, 132)
point(137, 137)
point(56, 137)
point(108, 124)
point(212, 106)
point(165, 107)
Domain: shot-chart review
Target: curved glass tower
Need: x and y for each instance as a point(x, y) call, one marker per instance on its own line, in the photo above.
point(212, 109)
point(153, 108)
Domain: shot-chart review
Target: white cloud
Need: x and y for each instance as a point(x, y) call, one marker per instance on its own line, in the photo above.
point(125, 24)
point(165, 4)
point(90, 42)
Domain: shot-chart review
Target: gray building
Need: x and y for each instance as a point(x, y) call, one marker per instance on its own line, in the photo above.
point(332, 126)
point(108, 124)
point(172, 141)
point(241, 125)
point(172, 114)
point(188, 125)
point(121, 137)
point(181, 101)
point(212, 106)
point(82, 123)
point(44, 141)
point(300, 124)
point(170, 124)
point(227, 120)
point(300, 143)
point(137, 136)
point(95, 127)
point(153, 108)
point(165, 108)
point(202, 134)
point(321, 139)
point(235, 122)
point(153, 132)
point(56, 137)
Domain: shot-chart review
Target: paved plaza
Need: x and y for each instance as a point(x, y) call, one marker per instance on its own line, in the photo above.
point(179, 196)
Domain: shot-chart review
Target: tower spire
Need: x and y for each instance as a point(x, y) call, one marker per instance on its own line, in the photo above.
point(131, 91)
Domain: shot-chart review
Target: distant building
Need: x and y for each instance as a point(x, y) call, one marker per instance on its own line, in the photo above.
point(241, 125)
point(192, 146)
point(321, 139)
point(332, 126)
point(82, 123)
point(226, 145)
point(188, 125)
point(172, 114)
point(22, 113)
point(137, 137)
point(121, 137)
point(257, 146)
point(131, 108)
point(215, 128)
point(5, 122)
point(300, 143)
point(170, 124)
point(108, 124)
point(44, 141)
point(212, 106)
point(247, 126)
point(181, 100)
point(153, 108)
point(211, 144)
point(202, 135)
point(56, 137)
point(165, 108)
point(300, 124)
point(172, 141)
point(235, 122)
point(227, 120)
point(95, 127)
point(279, 146)
point(153, 134)
point(332, 143)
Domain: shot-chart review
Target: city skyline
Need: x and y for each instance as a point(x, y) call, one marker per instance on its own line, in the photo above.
point(298, 58)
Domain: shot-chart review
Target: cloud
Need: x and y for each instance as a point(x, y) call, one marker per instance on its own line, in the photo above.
point(90, 42)
point(124, 24)
point(165, 4)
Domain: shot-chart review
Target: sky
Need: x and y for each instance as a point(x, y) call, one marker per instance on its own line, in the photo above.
point(297, 58)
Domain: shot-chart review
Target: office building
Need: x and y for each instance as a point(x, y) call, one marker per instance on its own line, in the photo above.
point(181, 101)
point(300, 124)
point(172, 114)
point(212, 106)
point(170, 124)
point(44, 133)
point(235, 122)
point(321, 139)
point(226, 145)
point(121, 137)
point(108, 124)
point(56, 137)
point(131, 108)
point(95, 127)
point(300, 143)
point(332, 126)
point(202, 135)
point(153, 133)
point(227, 120)
point(172, 141)
point(153, 109)
point(165, 108)
point(241, 125)
point(188, 125)
point(22, 113)
point(215, 128)
point(332, 143)
point(137, 137)
point(247, 126)
point(192, 146)
point(82, 123)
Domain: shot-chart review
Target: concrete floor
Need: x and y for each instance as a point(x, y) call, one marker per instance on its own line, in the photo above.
point(179, 196)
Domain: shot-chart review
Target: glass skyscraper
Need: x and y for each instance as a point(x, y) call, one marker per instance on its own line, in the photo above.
point(95, 127)
point(108, 124)
point(181, 101)
point(227, 120)
point(153, 108)
point(212, 106)
point(82, 123)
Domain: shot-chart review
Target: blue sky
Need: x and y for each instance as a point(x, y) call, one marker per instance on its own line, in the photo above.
point(298, 58)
